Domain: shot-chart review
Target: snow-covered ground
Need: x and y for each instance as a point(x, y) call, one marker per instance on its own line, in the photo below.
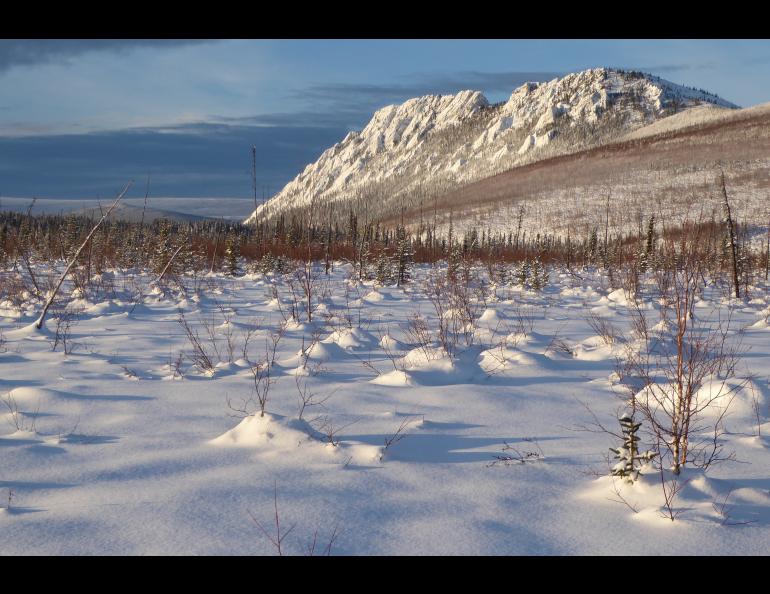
point(112, 451)
point(578, 208)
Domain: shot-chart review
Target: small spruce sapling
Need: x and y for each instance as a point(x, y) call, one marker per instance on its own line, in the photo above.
point(630, 461)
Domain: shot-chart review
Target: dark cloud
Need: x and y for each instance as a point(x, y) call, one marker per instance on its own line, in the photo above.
point(27, 52)
point(211, 158)
point(192, 161)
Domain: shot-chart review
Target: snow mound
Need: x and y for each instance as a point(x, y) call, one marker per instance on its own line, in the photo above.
point(349, 338)
point(266, 431)
point(389, 343)
point(276, 434)
point(716, 398)
point(29, 394)
point(700, 499)
point(396, 378)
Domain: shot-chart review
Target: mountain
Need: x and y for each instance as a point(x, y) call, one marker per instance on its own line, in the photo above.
point(134, 214)
point(409, 154)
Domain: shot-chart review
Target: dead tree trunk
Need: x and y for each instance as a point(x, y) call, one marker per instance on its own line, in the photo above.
point(732, 237)
point(41, 319)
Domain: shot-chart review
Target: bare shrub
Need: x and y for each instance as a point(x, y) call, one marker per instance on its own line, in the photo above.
point(419, 333)
point(398, 435)
point(330, 428)
point(559, 345)
point(671, 489)
point(306, 349)
point(519, 456)
point(262, 370)
point(608, 332)
point(278, 537)
point(307, 399)
point(65, 319)
point(19, 420)
point(396, 358)
point(673, 368)
point(524, 319)
point(199, 356)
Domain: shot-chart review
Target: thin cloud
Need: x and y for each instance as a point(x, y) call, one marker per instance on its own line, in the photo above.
point(337, 118)
point(488, 82)
point(351, 105)
point(30, 52)
point(415, 85)
point(672, 67)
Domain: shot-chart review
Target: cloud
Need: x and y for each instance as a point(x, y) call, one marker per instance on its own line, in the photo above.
point(188, 160)
point(351, 105)
point(415, 85)
point(23, 52)
point(488, 82)
point(327, 118)
point(672, 67)
point(211, 156)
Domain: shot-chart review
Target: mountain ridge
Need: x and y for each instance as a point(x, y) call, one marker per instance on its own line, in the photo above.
point(428, 145)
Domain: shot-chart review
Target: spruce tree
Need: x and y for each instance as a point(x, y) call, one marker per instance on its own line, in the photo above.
point(403, 256)
point(629, 459)
point(232, 253)
point(524, 272)
point(384, 268)
point(593, 244)
point(536, 275)
point(3, 253)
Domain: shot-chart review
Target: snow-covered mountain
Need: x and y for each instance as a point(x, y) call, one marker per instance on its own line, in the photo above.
point(428, 145)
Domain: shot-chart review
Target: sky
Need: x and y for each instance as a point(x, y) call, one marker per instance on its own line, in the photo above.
point(79, 118)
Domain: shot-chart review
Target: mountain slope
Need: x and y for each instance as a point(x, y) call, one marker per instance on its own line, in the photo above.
point(429, 145)
point(669, 169)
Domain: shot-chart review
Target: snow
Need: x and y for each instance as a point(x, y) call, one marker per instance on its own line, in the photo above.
point(109, 463)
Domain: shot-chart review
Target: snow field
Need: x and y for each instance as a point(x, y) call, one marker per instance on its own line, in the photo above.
point(116, 449)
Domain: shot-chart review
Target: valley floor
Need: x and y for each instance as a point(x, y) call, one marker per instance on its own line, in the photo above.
point(114, 449)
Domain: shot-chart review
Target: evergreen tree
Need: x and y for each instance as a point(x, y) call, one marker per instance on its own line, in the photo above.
point(384, 268)
point(536, 275)
point(593, 243)
point(403, 256)
point(629, 459)
point(3, 253)
point(646, 256)
point(71, 236)
point(232, 254)
point(163, 251)
point(524, 272)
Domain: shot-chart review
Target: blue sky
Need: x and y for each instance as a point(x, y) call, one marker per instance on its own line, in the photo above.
point(79, 117)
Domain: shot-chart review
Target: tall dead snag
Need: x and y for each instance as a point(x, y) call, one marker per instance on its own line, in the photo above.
point(254, 180)
point(41, 319)
point(606, 231)
point(731, 237)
